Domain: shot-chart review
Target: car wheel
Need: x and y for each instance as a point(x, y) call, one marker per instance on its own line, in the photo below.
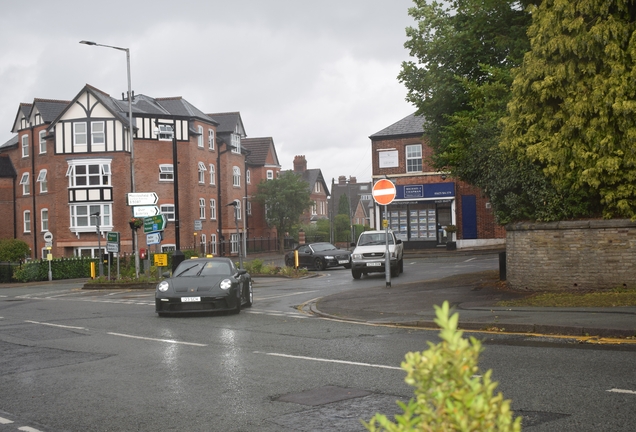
point(356, 273)
point(319, 264)
point(289, 262)
point(395, 271)
point(250, 295)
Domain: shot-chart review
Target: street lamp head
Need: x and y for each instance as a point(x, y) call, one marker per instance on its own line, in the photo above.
point(88, 42)
point(233, 204)
point(96, 214)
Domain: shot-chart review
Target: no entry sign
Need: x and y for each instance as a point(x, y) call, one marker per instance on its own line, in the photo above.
point(384, 192)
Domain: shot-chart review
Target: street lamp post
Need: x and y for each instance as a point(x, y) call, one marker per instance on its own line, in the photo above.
point(99, 244)
point(177, 256)
point(130, 138)
point(236, 205)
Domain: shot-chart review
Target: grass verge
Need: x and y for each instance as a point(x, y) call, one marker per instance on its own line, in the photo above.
point(611, 298)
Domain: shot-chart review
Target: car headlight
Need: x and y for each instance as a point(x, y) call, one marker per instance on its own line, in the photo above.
point(356, 256)
point(329, 257)
point(225, 284)
point(163, 286)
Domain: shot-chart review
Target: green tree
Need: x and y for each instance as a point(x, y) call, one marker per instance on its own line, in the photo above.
point(13, 250)
point(285, 199)
point(343, 205)
point(342, 226)
point(573, 100)
point(452, 42)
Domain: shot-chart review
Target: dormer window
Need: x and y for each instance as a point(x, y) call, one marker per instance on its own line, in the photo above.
point(236, 143)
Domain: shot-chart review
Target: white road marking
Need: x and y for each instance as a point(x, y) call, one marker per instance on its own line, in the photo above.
point(28, 429)
point(5, 421)
point(469, 260)
point(157, 340)
point(329, 360)
point(615, 390)
point(285, 295)
point(57, 325)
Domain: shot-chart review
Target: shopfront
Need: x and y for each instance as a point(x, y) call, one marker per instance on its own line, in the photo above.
point(419, 214)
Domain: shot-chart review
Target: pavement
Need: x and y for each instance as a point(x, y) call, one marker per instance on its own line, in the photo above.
point(474, 296)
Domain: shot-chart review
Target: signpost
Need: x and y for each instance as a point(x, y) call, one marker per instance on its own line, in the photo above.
point(141, 198)
point(145, 211)
point(154, 223)
point(48, 238)
point(384, 193)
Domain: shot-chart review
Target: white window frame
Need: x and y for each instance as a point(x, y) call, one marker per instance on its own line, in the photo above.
point(236, 176)
point(212, 175)
point(201, 208)
point(249, 208)
point(26, 184)
point(270, 175)
point(317, 187)
point(82, 221)
point(204, 243)
point(202, 170)
point(236, 143)
point(168, 211)
point(26, 221)
point(413, 154)
point(212, 209)
point(25, 146)
point(213, 244)
point(169, 247)
point(211, 139)
point(44, 219)
point(98, 136)
point(103, 175)
point(166, 173)
point(200, 137)
point(42, 142)
point(248, 176)
point(79, 136)
point(44, 184)
point(165, 132)
point(238, 209)
point(234, 242)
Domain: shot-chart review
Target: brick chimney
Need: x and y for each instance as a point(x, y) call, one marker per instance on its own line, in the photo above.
point(300, 164)
point(353, 180)
point(342, 180)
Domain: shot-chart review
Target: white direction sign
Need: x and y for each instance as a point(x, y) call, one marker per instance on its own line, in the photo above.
point(153, 238)
point(141, 198)
point(145, 211)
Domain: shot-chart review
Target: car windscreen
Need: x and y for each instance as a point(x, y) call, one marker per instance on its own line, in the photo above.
point(320, 247)
point(373, 239)
point(208, 268)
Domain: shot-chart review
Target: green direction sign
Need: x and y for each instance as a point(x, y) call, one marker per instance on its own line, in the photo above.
point(112, 242)
point(154, 223)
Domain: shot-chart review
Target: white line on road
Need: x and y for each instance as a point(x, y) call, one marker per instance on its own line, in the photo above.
point(615, 390)
point(57, 325)
point(28, 429)
point(157, 340)
point(328, 360)
point(5, 421)
point(285, 295)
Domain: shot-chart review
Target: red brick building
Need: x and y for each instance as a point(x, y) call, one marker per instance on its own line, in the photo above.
point(262, 165)
point(70, 167)
point(427, 201)
point(319, 191)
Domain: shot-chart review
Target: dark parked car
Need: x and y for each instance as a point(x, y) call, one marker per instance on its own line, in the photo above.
point(204, 285)
point(319, 256)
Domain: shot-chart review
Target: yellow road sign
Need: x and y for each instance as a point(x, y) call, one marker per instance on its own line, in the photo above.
point(161, 260)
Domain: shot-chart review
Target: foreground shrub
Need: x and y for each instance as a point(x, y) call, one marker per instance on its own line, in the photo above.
point(449, 393)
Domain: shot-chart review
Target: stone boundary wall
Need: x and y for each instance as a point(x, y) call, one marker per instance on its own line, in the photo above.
point(571, 255)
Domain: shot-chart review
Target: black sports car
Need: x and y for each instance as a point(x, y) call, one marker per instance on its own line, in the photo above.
point(204, 285)
point(319, 256)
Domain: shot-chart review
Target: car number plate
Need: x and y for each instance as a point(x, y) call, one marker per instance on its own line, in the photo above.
point(343, 262)
point(190, 299)
point(375, 264)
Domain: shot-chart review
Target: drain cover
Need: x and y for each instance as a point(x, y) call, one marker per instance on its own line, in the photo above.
point(323, 396)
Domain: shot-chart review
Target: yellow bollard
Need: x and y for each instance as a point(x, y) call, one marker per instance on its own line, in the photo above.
point(92, 270)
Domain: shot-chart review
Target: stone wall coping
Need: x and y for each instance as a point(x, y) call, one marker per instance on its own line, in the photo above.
point(574, 224)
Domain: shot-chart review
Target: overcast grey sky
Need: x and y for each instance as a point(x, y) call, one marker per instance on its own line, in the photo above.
point(317, 76)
